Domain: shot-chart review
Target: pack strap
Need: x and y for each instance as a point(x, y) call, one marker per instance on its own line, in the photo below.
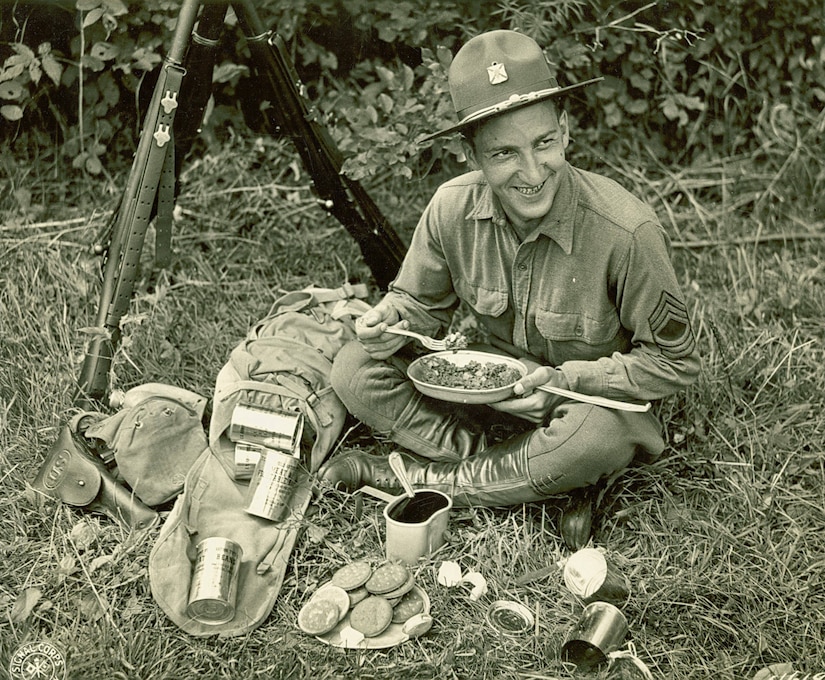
point(318, 416)
point(345, 292)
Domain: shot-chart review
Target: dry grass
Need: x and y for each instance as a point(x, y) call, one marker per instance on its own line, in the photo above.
point(722, 539)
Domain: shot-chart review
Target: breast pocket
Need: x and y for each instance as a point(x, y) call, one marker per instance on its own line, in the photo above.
point(571, 336)
point(484, 301)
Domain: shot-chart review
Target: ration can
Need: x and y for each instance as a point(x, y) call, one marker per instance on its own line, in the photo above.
point(246, 458)
point(272, 485)
point(214, 585)
point(272, 428)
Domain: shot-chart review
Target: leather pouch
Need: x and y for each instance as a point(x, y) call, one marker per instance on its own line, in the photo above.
point(71, 474)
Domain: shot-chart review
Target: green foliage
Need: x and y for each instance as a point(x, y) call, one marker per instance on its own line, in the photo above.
point(685, 80)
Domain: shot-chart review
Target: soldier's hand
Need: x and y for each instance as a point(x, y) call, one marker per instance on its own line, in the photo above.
point(371, 328)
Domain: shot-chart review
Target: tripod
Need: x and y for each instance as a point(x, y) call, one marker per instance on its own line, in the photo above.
point(171, 124)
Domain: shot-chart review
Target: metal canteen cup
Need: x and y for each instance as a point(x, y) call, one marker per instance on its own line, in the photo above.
point(601, 630)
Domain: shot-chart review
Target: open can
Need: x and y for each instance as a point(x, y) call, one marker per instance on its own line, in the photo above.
point(588, 574)
point(214, 585)
point(601, 629)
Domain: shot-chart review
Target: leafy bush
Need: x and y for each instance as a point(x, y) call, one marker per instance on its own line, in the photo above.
point(683, 81)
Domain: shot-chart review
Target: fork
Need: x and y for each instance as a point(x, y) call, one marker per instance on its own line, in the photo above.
point(427, 341)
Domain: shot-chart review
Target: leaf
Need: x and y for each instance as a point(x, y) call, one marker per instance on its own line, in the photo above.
point(386, 102)
point(775, 671)
point(82, 535)
point(91, 62)
point(87, 5)
point(115, 7)
point(444, 56)
point(11, 89)
point(104, 51)
point(11, 112)
point(92, 17)
point(52, 68)
point(93, 165)
point(93, 606)
point(67, 566)
point(24, 604)
point(25, 54)
point(315, 533)
point(670, 109)
point(100, 561)
point(35, 71)
point(11, 71)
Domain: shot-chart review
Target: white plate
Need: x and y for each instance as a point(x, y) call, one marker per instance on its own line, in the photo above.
point(461, 395)
point(394, 635)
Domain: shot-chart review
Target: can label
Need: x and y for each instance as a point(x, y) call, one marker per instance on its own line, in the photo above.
point(214, 585)
point(272, 484)
point(246, 458)
point(254, 424)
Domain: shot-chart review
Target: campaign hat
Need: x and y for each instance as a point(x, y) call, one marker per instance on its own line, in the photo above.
point(499, 71)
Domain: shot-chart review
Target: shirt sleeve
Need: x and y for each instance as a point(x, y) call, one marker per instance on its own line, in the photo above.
point(423, 293)
point(663, 358)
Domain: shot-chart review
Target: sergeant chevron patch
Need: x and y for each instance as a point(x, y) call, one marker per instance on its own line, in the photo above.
point(670, 326)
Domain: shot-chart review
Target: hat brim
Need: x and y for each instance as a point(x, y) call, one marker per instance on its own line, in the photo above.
point(505, 106)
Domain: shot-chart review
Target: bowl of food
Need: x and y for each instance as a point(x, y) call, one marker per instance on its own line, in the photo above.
point(466, 376)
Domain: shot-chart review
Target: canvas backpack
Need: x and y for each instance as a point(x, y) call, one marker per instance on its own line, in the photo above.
point(283, 363)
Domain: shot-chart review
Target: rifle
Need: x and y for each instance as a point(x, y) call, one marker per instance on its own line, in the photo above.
point(170, 125)
point(169, 129)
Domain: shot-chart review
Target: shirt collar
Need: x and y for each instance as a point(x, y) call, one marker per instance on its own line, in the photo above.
point(556, 225)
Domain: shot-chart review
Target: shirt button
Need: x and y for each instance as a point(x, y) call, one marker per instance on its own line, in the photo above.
point(522, 267)
point(578, 330)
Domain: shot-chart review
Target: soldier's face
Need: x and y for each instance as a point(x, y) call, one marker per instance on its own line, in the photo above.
point(522, 155)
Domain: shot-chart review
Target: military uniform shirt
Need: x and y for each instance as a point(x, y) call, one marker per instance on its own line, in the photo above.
point(591, 291)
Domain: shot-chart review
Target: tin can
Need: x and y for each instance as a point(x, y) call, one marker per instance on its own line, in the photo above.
point(214, 585)
point(272, 485)
point(246, 458)
point(510, 618)
point(588, 574)
point(601, 629)
point(272, 428)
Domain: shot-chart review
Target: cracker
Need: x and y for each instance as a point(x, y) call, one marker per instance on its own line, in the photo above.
point(411, 604)
point(371, 616)
point(318, 617)
point(357, 595)
point(402, 590)
point(387, 578)
point(334, 594)
point(352, 575)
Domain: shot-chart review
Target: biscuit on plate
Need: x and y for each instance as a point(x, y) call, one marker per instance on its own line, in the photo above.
point(371, 616)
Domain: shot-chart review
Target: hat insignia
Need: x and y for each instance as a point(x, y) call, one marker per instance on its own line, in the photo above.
point(497, 73)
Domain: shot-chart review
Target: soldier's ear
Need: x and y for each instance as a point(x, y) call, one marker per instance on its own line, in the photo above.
point(565, 128)
point(469, 152)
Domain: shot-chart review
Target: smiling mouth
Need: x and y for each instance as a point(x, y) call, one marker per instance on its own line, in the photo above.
point(530, 191)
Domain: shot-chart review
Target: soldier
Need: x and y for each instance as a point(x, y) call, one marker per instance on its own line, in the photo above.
point(563, 268)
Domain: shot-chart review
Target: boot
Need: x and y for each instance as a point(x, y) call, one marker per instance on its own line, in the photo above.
point(495, 477)
point(576, 524)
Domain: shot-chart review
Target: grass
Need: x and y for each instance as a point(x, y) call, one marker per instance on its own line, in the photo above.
point(722, 539)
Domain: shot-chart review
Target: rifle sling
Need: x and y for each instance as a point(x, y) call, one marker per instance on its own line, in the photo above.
point(161, 118)
point(166, 206)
